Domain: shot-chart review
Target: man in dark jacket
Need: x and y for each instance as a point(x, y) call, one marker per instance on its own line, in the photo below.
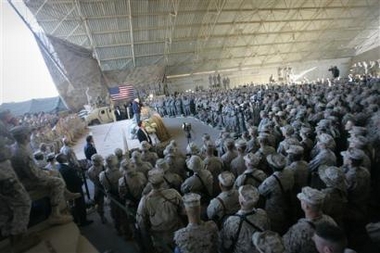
point(89, 148)
point(73, 184)
point(142, 134)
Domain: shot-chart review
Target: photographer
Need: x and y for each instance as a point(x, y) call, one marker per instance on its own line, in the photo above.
point(335, 71)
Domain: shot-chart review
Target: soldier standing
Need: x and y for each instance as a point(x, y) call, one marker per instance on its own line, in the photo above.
point(110, 181)
point(238, 163)
point(200, 182)
point(159, 212)
point(251, 175)
point(146, 154)
point(335, 203)
point(229, 145)
point(235, 236)
point(214, 165)
point(298, 239)
point(277, 191)
point(198, 236)
point(227, 202)
point(93, 174)
point(16, 203)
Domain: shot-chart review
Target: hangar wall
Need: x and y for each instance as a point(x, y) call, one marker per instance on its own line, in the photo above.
point(81, 71)
point(261, 75)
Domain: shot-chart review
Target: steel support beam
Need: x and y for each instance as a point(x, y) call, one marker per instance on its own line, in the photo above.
point(219, 58)
point(131, 33)
point(62, 20)
point(170, 26)
point(88, 31)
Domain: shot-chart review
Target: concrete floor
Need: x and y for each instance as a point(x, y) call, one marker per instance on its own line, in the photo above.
point(108, 137)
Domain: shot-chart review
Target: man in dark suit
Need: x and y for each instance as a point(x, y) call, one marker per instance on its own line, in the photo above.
point(74, 184)
point(142, 134)
point(89, 148)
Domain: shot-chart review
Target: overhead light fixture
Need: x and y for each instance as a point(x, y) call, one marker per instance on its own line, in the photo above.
point(177, 76)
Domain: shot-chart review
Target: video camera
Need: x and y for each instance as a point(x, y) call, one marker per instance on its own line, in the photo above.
point(186, 127)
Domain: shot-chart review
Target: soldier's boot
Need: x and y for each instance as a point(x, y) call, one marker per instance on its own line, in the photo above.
point(57, 218)
point(71, 195)
point(23, 242)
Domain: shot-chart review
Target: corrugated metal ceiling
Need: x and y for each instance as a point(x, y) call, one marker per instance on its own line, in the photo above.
point(198, 35)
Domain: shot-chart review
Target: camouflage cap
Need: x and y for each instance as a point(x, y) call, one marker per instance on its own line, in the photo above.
point(162, 164)
point(266, 128)
point(276, 161)
point(332, 177)
point(241, 144)
point(226, 178)
point(118, 152)
point(268, 242)
point(192, 148)
point(97, 158)
point(156, 176)
point(311, 196)
point(136, 155)
point(287, 130)
point(357, 130)
point(191, 200)
point(252, 159)
point(128, 166)
point(170, 149)
point(305, 130)
point(144, 145)
point(295, 149)
point(195, 163)
point(249, 193)
point(353, 153)
point(358, 141)
point(326, 139)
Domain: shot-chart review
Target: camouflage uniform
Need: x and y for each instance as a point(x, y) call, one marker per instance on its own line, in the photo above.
point(131, 187)
point(197, 238)
point(93, 174)
point(253, 177)
point(238, 165)
point(149, 156)
point(158, 213)
point(215, 166)
point(230, 232)
point(194, 184)
point(110, 181)
point(277, 205)
point(298, 239)
point(225, 204)
point(34, 178)
point(16, 203)
point(227, 159)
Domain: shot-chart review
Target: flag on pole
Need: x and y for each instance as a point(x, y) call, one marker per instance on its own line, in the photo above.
point(122, 92)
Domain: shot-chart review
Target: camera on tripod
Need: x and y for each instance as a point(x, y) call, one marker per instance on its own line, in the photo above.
point(187, 128)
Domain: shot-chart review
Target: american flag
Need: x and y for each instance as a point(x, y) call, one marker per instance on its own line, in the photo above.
point(122, 92)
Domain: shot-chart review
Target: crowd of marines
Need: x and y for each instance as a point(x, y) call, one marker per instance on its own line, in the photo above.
point(294, 169)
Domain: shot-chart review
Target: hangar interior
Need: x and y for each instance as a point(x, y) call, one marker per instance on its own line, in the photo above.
point(98, 44)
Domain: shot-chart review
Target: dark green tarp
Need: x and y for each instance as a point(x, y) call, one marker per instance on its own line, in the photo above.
point(46, 105)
